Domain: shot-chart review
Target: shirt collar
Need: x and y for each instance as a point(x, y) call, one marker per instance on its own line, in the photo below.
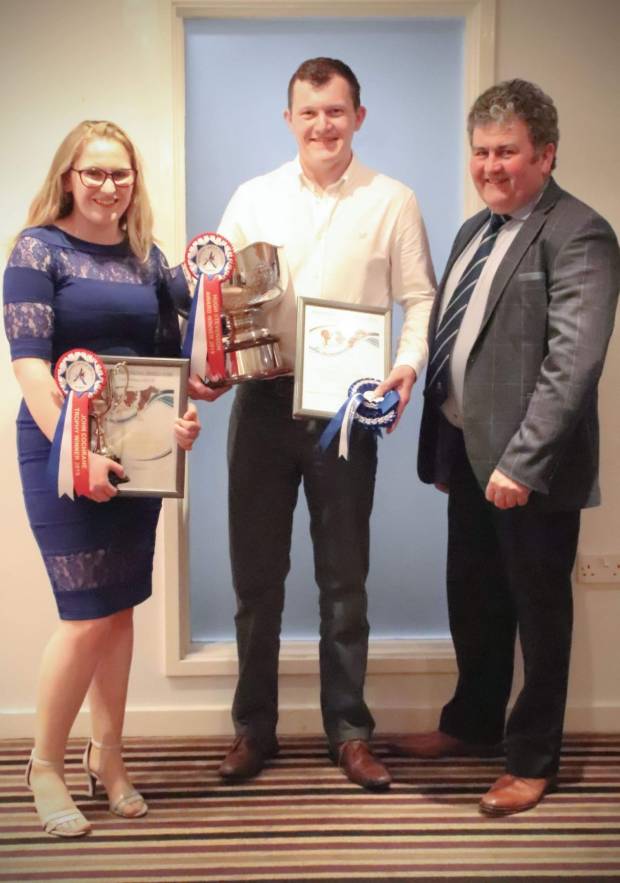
point(346, 178)
point(523, 213)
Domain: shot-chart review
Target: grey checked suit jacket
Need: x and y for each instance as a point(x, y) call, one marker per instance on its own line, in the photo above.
point(530, 394)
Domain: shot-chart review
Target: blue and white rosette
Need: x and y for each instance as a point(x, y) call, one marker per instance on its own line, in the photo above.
point(360, 407)
point(80, 376)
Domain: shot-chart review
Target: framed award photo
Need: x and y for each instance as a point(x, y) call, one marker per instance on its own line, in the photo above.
point(133, 422)
point(337, 344)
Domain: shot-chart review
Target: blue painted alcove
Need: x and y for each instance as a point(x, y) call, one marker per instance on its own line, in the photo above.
point(411, 72)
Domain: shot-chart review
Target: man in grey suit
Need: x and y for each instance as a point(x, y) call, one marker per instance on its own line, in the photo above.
point(510, 429)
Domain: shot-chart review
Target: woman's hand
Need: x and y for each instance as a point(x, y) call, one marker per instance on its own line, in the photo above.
point(99, 467)
point(187, 428)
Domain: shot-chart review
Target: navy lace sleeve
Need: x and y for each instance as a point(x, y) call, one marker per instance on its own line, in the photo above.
point(171, 288)
point(28, 299)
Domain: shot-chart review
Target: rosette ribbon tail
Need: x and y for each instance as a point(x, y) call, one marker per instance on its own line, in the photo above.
point(80, 443)
point(213, 324)
point(68, 460)
point(80, 376)
point(210, 259)
point(389, 403)
point(195, 341)
point(59, 465)
point(341, 422)
point(358, 408)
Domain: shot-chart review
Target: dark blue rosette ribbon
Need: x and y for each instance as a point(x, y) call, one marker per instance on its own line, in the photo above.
point(360, 407)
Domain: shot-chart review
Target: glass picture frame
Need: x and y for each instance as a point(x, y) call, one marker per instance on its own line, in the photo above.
point(337, 344)
point(134, 420)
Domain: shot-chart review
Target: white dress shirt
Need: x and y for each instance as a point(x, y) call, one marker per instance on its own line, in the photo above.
point(472, 320)
point(361, 240)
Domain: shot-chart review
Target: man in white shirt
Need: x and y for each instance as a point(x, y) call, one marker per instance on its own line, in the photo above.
point(510, 429)
point(348, 234)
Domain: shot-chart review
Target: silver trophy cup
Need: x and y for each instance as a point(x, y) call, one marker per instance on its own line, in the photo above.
point(252, 351)
point(111, 397)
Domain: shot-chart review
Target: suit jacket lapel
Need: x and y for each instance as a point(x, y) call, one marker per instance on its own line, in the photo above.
point(523, 241)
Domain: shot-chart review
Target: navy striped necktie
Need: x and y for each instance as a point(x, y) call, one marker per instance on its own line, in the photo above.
point(437, 375)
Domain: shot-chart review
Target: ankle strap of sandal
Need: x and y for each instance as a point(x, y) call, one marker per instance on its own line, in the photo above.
point(103, 747)
point(48, 763)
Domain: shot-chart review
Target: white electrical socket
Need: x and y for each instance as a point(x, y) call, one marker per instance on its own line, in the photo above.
point(602, 569)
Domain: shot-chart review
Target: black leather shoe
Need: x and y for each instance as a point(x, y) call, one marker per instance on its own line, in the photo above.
point(245, 759)
point(360, 766)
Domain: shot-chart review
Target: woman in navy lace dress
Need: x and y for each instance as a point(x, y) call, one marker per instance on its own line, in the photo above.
point(85, 273)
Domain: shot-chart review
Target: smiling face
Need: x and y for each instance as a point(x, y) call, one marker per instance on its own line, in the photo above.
point(323, 121)
point(506, 168)
point(97, 211)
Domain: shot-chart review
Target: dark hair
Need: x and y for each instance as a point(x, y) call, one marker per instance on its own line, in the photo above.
point(517, 98)
point(319, 71)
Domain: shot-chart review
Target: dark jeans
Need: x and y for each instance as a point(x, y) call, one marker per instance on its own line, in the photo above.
point(269, 454)
point(509, 569)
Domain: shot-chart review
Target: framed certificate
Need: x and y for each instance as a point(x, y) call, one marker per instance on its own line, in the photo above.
point(134, 422)
point(337, 344)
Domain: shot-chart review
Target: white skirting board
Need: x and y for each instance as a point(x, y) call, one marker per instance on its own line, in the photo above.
point(215, 721)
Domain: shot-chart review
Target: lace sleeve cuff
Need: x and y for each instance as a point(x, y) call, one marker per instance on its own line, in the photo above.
point(29, 328)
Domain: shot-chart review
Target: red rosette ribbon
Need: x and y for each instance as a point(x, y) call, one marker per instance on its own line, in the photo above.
point(80, 376)
point(210, 259)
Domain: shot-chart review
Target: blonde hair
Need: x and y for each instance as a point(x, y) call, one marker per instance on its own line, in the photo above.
point(53, 202)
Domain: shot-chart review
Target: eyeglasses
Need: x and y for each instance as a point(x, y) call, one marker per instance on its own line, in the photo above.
point(94, 177)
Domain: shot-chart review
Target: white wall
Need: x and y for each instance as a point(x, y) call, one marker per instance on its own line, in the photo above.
point(64, 60)
point(570, 48)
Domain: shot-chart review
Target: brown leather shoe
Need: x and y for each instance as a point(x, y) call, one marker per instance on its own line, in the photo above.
point(438, 744)
point(245, 759)
point(512, 794)
point(360, 765)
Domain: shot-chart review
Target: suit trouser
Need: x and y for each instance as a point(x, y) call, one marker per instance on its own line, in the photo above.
point(509, 569)
point(269, 454)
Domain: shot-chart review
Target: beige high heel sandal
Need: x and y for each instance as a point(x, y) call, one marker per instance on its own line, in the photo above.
point(125, 800)
point(52, 822)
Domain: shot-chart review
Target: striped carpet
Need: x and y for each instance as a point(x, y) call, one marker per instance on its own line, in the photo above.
point(302, 820)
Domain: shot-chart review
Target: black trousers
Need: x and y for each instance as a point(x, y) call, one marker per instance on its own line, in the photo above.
point(269, 455)
point(508, 570)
